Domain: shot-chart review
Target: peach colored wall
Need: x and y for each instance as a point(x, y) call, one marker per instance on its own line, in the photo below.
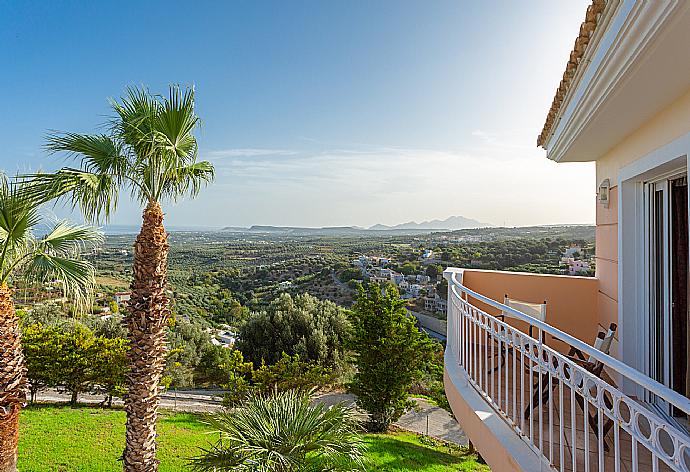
point(571, 301)
point(667, 125)
point(607, 260)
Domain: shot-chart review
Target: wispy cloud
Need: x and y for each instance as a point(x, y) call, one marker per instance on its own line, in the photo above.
point(248, 152)
point(365, 185)
point(498, 145)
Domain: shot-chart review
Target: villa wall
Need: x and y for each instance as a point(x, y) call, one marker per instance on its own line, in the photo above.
point(607, 261)
point(667, 125)
point(572, 302)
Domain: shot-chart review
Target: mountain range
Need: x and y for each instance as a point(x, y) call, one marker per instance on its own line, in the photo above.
point(449, 224)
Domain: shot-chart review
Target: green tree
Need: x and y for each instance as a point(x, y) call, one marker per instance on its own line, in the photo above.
point(23, 255)
point(41, 348)
point(150, 151)
point(284, 432)
point(390, 354)
point(76, 361)
point(109, 365)
point(408, 269)
point(434, 270)
point(291, 373)
point(217, 364)
point(303, 325)
point(237, 384)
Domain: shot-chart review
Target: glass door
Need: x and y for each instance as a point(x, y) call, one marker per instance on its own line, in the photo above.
point(666, 252)
point(659, 288)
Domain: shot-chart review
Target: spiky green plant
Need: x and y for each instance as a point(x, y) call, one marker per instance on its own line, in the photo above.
point(284, 432)
point(52, 256)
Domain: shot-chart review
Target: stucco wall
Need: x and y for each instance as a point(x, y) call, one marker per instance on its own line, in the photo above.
point(667, 125)
point(607, 260)
point(572, 302)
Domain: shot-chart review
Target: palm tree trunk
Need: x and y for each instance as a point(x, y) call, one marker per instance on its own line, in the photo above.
point(146, 321)
point(12, 381)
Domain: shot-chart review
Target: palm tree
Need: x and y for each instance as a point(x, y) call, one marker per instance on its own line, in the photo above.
point(53, 256)
point(284, 432)
point(150, 151)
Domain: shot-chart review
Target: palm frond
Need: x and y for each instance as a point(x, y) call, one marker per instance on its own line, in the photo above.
point(18, 212)
point(188, 180)
point(66, 238)
point(94, 193)
point(18, 216)
point(99, 153)
point(76, 276)
point(176, 123)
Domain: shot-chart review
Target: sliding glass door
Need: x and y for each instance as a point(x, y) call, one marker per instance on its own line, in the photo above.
point(666, 252)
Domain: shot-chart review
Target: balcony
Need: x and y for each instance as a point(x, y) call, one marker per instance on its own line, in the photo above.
point(527, 404)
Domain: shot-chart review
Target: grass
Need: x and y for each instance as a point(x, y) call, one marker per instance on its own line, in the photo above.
point(63, 439)
point(111, 281)
point(405, 451)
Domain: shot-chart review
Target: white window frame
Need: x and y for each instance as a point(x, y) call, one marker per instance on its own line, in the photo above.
point(633, 283)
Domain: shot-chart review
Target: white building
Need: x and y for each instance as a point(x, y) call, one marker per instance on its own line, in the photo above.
point(435, 304)
point(571, 251)
point(577, 267)
point(414, 290)
point(121, 297)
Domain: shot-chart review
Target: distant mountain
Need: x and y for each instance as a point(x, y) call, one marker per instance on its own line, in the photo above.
point(451, 223)
point(327, 231)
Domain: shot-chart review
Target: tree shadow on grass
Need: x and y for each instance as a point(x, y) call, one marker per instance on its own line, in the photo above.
point(189, 419)
point(388, 453)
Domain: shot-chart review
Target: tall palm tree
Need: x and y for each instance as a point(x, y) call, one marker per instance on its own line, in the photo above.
point(284, 432)
point(53, 256)
point(150, 151)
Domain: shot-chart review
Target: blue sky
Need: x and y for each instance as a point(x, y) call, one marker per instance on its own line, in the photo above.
point(315, 112)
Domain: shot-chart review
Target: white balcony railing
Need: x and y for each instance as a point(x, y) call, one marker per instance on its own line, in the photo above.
point(574, 419)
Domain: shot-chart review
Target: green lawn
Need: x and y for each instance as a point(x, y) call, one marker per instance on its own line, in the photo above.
point(64, 439)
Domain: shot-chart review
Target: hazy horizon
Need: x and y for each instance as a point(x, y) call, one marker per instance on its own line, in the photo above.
point(173, 227)
point(317, 113)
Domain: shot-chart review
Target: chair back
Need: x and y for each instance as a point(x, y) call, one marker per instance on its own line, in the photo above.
point(604, 340)
point(533, 310)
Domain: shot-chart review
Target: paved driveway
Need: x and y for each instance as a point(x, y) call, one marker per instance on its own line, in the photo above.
point(425, 418)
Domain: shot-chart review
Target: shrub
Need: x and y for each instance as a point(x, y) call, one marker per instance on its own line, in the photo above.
point(302, 325)
point(284, 432)
point(390, 354)
point(74, 359)
point(289, 373)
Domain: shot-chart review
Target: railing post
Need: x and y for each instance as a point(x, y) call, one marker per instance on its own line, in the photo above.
point(453, 322)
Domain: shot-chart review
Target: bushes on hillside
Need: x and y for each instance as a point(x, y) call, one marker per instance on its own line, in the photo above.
point(74, 360)
point(302, 325)
point(289, 373)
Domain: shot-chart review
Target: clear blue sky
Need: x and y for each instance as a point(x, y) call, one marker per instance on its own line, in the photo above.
point(316, 112)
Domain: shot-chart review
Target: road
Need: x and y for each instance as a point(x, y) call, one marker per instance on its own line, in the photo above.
point(425, 418)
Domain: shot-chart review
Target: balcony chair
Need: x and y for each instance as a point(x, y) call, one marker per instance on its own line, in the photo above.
point(533, 310)
point(602, 343)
